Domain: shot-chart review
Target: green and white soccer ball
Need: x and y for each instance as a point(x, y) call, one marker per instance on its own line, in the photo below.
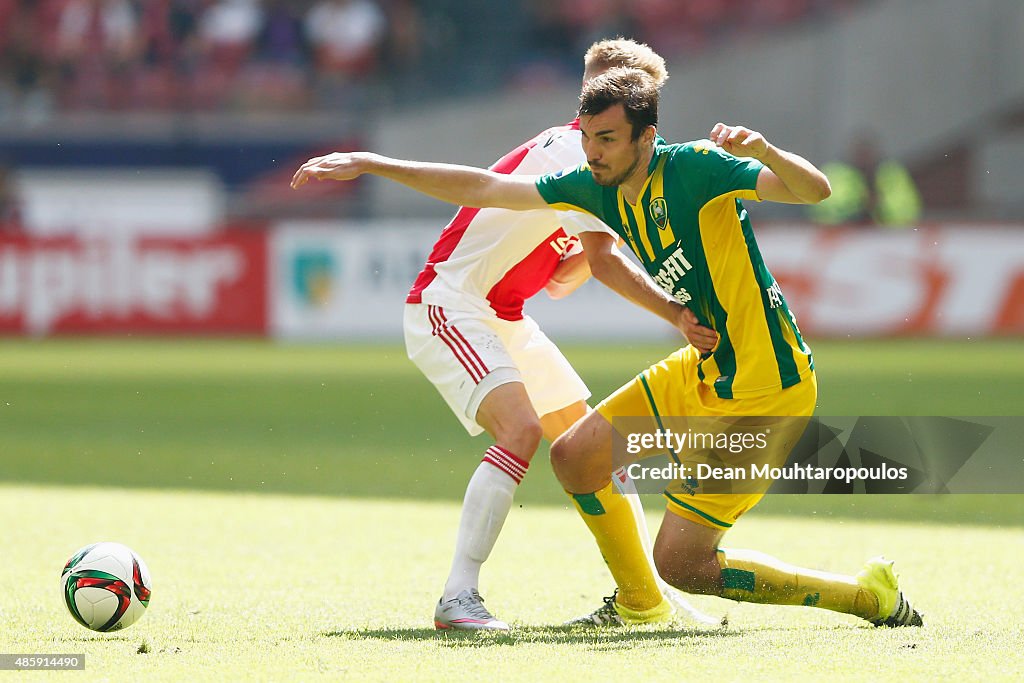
point(106, 586)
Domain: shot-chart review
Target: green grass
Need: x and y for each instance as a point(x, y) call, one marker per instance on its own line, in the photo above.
point(297, 505)
point(254, 416)
point(281, 587)
point(360, 421)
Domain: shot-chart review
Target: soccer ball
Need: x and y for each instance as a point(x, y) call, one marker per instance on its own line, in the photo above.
point(106, 586)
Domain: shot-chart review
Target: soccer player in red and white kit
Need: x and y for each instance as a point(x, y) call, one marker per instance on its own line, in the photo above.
point(466, 331)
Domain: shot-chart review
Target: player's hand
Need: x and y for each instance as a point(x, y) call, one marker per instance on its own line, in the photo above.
point(334, 166)
point(739, 141)
point(702, 338)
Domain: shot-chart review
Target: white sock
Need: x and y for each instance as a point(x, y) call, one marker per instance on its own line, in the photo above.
point(484, 509)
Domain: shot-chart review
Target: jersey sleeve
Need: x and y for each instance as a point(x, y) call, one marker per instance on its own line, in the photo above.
point(571, 189)
point(574, 222)
point(715, 173)
point(563, 150)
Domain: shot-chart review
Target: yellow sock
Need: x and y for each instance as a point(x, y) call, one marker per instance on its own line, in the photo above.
point(610, 519)
point(750, 576)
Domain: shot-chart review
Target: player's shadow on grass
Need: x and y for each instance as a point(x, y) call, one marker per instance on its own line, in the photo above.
point(596, 639)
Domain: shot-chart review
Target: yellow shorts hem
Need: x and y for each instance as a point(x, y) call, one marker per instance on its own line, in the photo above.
point(681, 509)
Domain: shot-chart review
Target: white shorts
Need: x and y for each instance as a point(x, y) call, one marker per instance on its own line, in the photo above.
point(466, 355)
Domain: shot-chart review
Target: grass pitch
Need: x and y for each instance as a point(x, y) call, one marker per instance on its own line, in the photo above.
point(268, 587)
point(297, 506)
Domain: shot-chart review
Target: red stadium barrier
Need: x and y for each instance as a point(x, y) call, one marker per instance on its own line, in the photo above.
point(214, 284)
point(953, 280)
point(950, 280)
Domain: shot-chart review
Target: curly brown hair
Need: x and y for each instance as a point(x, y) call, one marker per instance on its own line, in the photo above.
point(634, 89)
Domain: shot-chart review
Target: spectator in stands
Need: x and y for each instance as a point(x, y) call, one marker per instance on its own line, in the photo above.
point(168, 53)
point(171, 54)
point(345, 36)
point(227, 31)
point(868, 189)
point(403, 45)
point(25, 73)
point(169, 30)
point(98, 47)
point(281, 38)
point(110, 25)
point(182, 19)
point(277, 75)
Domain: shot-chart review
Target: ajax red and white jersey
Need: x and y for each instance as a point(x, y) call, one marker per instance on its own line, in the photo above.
point(492, 260)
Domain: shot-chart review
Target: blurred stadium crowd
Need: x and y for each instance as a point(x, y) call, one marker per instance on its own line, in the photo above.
point(297, 55)
point(146, 149)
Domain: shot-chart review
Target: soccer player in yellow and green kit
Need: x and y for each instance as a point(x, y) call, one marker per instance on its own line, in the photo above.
point(679, 209)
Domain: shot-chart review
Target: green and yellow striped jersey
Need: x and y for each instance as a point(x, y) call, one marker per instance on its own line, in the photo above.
point(691, 233)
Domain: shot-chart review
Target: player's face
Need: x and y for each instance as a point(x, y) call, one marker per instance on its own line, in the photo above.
point(607, 141)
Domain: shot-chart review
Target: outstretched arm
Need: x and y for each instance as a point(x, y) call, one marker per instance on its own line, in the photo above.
point(787, 178)
point(618, 273)
point(461, 185)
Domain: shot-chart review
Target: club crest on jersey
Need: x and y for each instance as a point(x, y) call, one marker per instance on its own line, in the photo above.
point(659, 212)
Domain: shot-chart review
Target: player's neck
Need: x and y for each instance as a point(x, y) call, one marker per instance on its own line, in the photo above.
point(634, 183)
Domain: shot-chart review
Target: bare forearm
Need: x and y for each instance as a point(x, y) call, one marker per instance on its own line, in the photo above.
point(620, 275)
point(626, 279)
point(802, 178)
point(789, 178)
point(462, 185)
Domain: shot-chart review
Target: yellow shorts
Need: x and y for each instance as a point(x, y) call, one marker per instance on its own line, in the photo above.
point(669, 392)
